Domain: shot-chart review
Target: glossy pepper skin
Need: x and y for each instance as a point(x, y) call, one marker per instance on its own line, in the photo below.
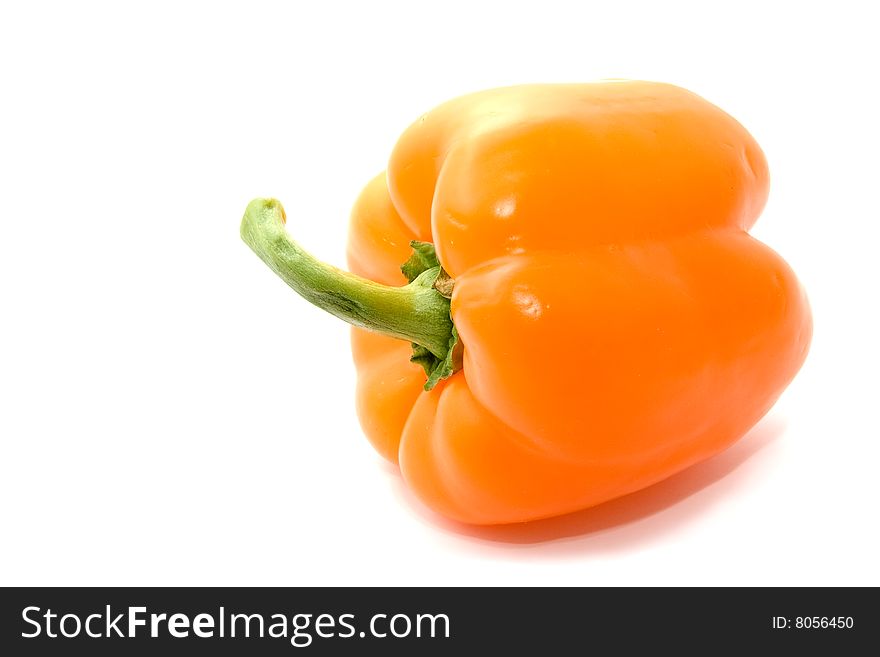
point(618, 323)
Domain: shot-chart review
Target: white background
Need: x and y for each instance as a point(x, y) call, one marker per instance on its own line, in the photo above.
point(171, 413)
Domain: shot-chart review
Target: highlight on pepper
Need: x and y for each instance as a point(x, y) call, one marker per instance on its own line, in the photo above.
point(555, 297)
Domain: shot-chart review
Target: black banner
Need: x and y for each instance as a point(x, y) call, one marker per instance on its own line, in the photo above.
point(334, 621)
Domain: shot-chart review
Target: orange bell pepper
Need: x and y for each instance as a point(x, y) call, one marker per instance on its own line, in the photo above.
point(611, 320)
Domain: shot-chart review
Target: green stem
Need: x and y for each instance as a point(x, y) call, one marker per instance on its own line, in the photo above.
point(416, 312)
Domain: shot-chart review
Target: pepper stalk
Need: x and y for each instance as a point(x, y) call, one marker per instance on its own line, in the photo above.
point(417, 312)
